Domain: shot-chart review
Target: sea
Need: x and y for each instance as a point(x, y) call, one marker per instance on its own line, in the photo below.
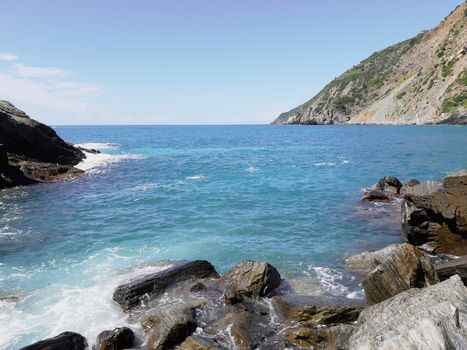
point(287, 195)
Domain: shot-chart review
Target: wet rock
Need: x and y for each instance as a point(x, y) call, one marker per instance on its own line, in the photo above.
point(9, 298)
point(412, 183)
point(195, 342)
point(453, 267)
point(403, 269)
point(435, 213)
point(375, 196)
point(63, 341)
point(130, 295)
point(117, 339)
point(304, 337)
point(389, 184)
point(89, 150)
point(367, 261)
point(316, 310)
point(250, 279)
point(328, 338)
point(430, 318)
point(169, 326)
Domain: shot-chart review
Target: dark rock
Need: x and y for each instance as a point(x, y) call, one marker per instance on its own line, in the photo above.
point(198, 287)
point(9, 298)
point(250, 279)
point(403, 269)
point(454, 267)
point(89, 150)
point(412, 183)
point(329, 338)
point(195, 342)
point(435, 213)
point(130, 294)
point(375, 195)
point(316, 310)
point(63, 341)
point(388, 184)
point(367, 261)
point(428, 318)
point(170, 326)
point(117, 339)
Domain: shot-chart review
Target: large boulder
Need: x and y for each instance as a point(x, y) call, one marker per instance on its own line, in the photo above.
point(130, 294)
point(389, 184)
point(250, 279)
point(430, 318)
point(369, 260)
point(453, 267)
point(404, 268)
point(116, 339)
point(435, 213)
point(63, 341)
point(316, 310)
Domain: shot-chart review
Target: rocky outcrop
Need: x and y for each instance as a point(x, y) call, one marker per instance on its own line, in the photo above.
point(369, 260)
point(331, 338)
point(418, 81)
point(453, 267)
point(32, 152)
point(130, 294)
point(431, 318)
point(116, 339)
point(435, 213)
point(250, 279)
point(63, 341)
point(403, 269)
point(312, 311)
point(389, 184)
point(375, 196)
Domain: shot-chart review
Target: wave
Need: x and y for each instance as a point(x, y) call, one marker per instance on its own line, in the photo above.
point(325, 164)
point(251, 169)
point(98, 146)
point(96, 162)
point(196, 177)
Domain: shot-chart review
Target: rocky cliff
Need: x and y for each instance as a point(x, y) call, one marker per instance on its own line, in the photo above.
point(32, 152)
point(422, 80)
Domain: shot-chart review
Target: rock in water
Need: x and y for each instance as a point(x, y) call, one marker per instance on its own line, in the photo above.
point(367, 261)
point(129, 295)
point(250, 279)
point(436, 213)
point(63, 341)
point(405, 268)
point(117, 339)
point(454, 267)
point(374, 196)
point(389, 184)
point(431, 318)
point(312, 311)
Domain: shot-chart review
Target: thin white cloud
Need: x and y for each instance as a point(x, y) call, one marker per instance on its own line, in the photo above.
point(7, 56)
point(40, 72)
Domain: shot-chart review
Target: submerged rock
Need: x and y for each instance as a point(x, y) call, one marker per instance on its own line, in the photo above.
point(131, 294)
point(367, 261)
point(117, 339)
point(316, 310)
point(250, 279)
point(430, 318)
point(453, 267)
point(435, 213)
point(389, 184)
point(63, 341)
point(404, 268)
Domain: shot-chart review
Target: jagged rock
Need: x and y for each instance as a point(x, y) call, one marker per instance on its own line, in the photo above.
point(430, 318)
point(327, 338)
point(195, 342)
point(367, 261)
point(375, 196)
point(389, 184)
point(453, 267)
point(117, 339)
point(435, 213)
point(169, 326)
point(403, 269)
point(249, 279)
point(314, 310)
point(130, 294)
point(63, 341)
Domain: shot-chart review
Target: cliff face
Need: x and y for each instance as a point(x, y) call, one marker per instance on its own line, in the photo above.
point(422, 80)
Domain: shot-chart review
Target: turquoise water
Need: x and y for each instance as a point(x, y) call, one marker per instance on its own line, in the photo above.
point(283, 194)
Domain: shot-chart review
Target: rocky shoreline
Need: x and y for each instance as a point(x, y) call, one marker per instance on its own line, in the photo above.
point(415, 293)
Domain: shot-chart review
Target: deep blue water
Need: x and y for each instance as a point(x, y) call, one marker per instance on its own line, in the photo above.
point(288, 195)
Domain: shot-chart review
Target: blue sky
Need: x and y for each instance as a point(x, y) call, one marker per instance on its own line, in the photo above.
point(190, 62)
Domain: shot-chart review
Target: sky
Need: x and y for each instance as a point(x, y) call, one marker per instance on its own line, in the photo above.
point(190, 61)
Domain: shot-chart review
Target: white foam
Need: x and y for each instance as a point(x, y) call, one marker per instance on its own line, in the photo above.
point(96, 162)
point(98, 146)
point(251, 169)
point(325, 164)
point(196, 177)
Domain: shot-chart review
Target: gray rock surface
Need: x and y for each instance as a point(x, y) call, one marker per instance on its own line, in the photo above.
point(249, 279)
point(430, 318)
point(453, 267)
point(63, 341)
point(368, 260)
point(403, 269)
point(435, 213)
